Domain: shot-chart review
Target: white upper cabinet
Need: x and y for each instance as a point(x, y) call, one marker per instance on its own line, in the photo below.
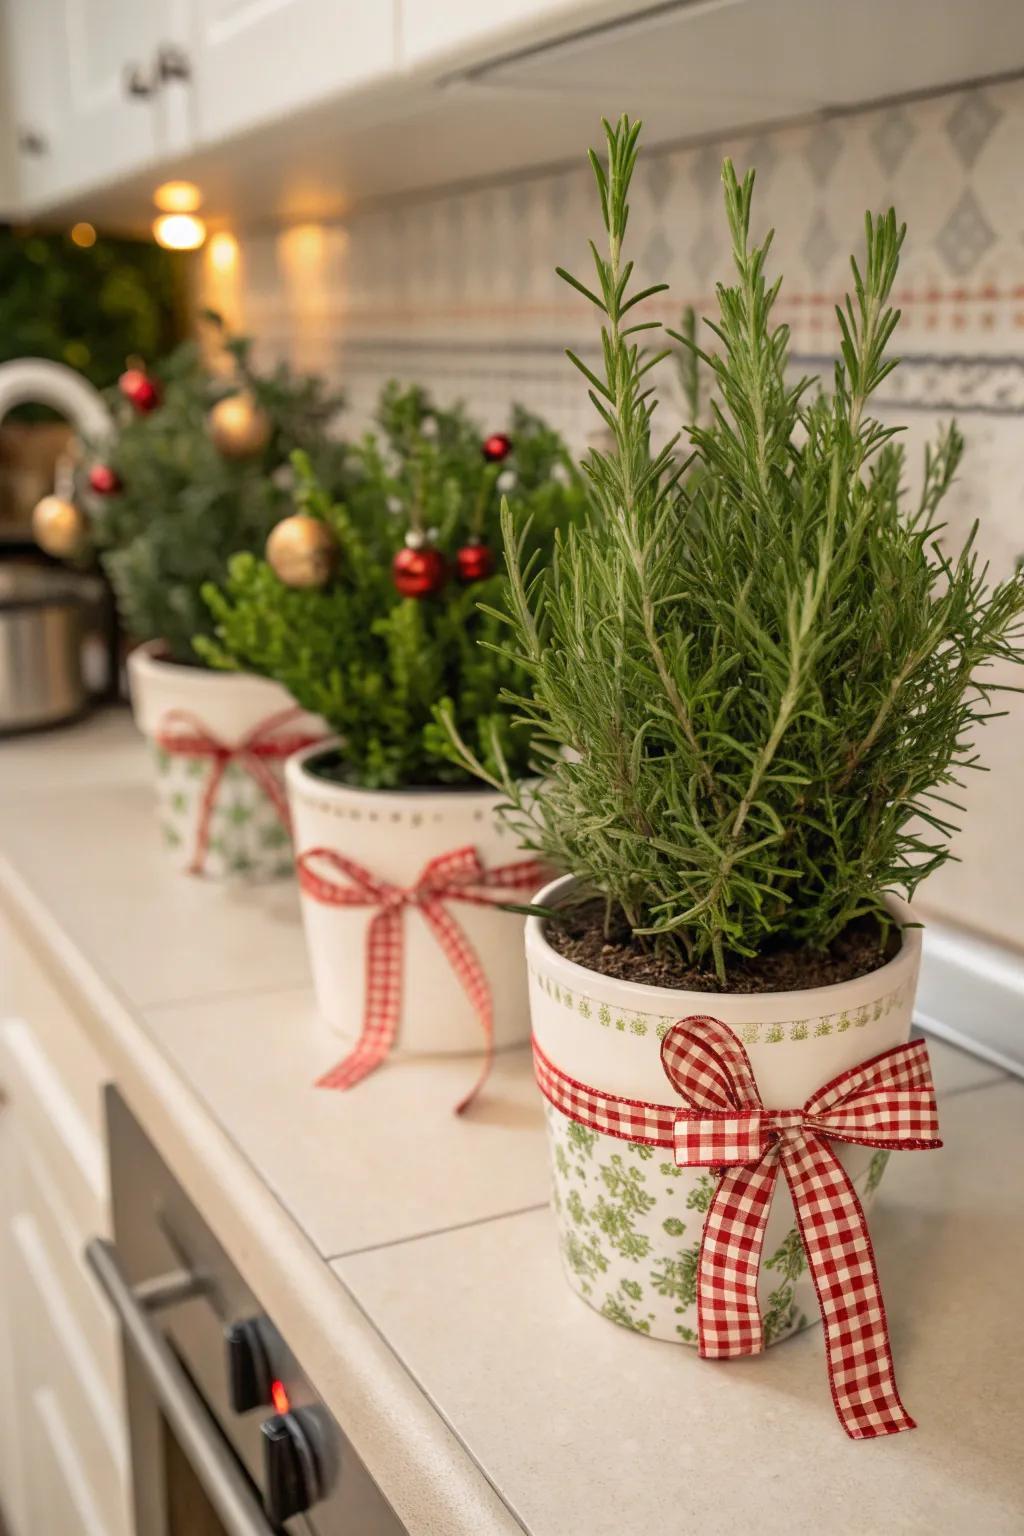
point(111, 50)
point(431, 29)
point(303, 108)
point(85, 83)
point(255, 61)
point(36, 104)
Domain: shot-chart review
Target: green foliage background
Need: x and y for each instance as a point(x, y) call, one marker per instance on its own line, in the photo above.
point(755, 674)
point(185, 509)
point(376, 665)
point(90, 309)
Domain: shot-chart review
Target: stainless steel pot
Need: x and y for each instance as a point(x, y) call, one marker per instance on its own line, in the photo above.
point(44, 617)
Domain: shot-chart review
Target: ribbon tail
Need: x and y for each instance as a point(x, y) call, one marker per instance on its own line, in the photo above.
point(728, 1314)
point(267, 780)
point(382, 1005)
point(842, 1265)
point(463, 960)
point(206, 805)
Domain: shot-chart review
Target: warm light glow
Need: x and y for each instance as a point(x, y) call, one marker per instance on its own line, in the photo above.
point(302, 248)
point(222, 253)
point(177, 197)
point(83, 235)
point(303, 254)
point(179, 231)
point(279, 1397)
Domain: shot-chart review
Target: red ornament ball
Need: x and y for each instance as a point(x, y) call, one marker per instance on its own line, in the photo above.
point(474, 562)
point(418, 571)
point(138, 388)
point(496, 447)
point(104, 480)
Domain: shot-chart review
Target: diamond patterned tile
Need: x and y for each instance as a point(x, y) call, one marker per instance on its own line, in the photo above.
point(891, 137)
point(820, 244)
point(824, 146)
point(970, 125)
point(965, 236)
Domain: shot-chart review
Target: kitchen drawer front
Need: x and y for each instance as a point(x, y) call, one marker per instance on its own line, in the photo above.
point(61, 1499)
point(38, 1197)
point(27, 992)
point(13, 1419)
point(51, 1357)
point(48, 1120)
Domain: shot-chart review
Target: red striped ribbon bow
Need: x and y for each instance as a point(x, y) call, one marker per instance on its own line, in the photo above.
point(886, 1102)
point(183, 734)
point(455, 876)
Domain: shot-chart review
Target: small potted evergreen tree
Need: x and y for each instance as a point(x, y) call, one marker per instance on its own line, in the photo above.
point(384, 816)
point(752, 676)
point(197, 468)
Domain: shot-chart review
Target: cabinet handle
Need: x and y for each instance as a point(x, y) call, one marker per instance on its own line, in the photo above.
point(172, 63)
point(137, 83)
point(32, 142)
point(211, 1459)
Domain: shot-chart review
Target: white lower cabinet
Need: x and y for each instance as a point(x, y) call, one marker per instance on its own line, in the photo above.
point(63, 1449)
point(59, 1482)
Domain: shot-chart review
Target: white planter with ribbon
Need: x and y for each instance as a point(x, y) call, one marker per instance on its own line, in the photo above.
point(410, 948)
point(630, 1201)
point(219, 741)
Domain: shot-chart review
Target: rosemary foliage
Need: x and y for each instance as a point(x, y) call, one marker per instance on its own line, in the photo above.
point(755, 675)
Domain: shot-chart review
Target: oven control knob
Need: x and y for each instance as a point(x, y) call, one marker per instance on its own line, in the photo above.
point(249, 1373)
point(291, 1464)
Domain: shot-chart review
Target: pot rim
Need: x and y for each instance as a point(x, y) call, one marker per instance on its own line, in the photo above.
point(301, 780)
point(701, 1002)
point(146, 660)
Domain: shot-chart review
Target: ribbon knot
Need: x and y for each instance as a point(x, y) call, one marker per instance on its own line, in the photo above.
point(887, 1102)
point(183, 734)
point(458, 875)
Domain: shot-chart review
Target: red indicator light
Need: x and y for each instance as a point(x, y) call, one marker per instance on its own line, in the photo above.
point(279, 1397)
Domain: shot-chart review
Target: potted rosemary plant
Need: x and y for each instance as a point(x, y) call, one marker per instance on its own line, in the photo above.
point(753, 675)
point(197, 468)
point(387, 630)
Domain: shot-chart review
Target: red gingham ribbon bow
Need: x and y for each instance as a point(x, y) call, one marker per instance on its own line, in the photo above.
point(886, 1102)
point(455, 876)
point(183, 734)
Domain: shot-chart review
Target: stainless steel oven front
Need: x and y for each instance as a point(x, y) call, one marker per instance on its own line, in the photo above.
point(227, 1436)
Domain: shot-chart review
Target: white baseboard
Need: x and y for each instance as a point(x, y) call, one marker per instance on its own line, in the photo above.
point(971, 993)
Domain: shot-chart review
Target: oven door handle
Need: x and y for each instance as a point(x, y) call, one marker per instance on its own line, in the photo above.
point(226, 1485)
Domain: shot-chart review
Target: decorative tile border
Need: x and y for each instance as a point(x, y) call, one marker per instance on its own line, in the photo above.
point(754, 1032)
point(330, 807)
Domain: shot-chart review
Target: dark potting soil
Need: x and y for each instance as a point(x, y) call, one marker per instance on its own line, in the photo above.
point(333, 767)
point(580, 935)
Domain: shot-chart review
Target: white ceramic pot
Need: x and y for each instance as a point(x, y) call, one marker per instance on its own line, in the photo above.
point(393, 834)
point(220, 816)
point(630, 1221)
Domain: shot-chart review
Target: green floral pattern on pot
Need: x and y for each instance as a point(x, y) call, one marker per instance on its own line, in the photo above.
point(630, 1227)
point(247, 839)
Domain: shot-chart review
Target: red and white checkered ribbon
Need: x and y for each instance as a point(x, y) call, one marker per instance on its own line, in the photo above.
point(455, 876)
point(887, 1102)
point(183, 734)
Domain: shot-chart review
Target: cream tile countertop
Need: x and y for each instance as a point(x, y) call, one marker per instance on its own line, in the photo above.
point(411, 1261)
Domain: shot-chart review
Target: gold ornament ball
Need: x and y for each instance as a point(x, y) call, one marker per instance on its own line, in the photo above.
point(59, 527)
point(239, 427)
point(302, 551)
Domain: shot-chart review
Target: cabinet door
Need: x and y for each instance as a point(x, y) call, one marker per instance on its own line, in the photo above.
point(36, 67)
point(108, 131)
point(258, 60)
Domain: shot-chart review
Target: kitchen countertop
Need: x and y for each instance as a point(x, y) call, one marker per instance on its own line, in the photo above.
point(409, 1256)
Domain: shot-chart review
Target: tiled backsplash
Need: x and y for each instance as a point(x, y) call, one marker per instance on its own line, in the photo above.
point(459, 290)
